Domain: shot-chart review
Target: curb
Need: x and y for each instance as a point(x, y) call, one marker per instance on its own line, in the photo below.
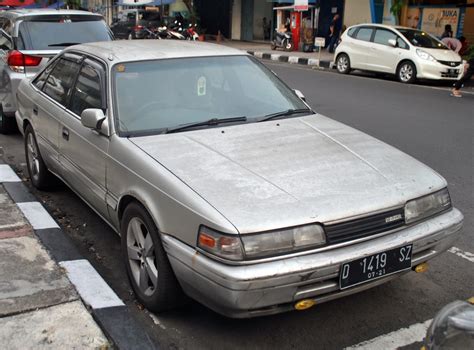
point(108, 310)
point(292, 59)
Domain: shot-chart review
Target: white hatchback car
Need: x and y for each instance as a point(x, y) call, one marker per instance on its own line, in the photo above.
point(408, 53)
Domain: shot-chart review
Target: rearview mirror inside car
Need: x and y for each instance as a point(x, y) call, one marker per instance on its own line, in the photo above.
point(392, 42)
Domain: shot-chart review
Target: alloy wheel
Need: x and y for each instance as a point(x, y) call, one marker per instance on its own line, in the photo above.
point(141, 256)
point(342, 63)
point(406, 72)
point(33, 160)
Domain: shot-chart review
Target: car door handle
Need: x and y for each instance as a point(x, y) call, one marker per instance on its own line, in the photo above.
point(35, 110)
point(66, 134)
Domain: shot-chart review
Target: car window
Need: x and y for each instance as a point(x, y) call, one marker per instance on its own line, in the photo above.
point(401, 43)
point(382, 36)
point(60, 80)
point(419, 38)
point(351, 31)
point(59, 31)
point(86, 92)
point(41, 79)
point(364, 34)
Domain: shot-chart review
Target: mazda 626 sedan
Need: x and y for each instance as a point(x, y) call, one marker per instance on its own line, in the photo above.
point(223, 183)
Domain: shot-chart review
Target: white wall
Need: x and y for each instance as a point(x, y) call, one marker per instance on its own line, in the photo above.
point(236, 19)
point(356, 12)
point(261, 9)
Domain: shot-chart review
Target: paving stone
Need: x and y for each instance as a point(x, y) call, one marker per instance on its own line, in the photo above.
point(65, 326)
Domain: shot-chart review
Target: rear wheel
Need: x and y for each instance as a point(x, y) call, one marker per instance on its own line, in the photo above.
point(343, 64)
point(288, 45)
point(148, 267)
point(7, 124)
point(40, 176)
point(273, 45)
point(406, 72)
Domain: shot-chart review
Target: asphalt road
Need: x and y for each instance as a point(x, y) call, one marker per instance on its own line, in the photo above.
point(421, 120)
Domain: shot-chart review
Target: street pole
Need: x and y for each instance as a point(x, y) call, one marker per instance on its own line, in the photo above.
point(161, 10)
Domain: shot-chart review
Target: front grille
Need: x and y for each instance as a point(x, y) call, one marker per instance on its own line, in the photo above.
point(364, 227)
point(450, 63)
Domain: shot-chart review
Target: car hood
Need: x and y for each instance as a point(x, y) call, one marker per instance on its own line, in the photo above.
point(263, 176)
point(443, 55)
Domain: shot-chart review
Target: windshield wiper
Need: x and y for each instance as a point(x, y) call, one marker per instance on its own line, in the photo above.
point(64, 44)
point(210, 122)
point(286, 113)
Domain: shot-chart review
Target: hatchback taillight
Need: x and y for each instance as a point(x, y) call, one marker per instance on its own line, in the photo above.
point(18, 61)
point(137, 28)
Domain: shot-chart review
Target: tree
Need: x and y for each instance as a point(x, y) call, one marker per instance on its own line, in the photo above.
point(396, 9)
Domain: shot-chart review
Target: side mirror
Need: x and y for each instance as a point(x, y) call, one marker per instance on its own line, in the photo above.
point(94, 118)
point(392, 42)
point(300, 95)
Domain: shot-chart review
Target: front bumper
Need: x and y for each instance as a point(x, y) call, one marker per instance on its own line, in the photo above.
point(272, 287)
point(438, 71)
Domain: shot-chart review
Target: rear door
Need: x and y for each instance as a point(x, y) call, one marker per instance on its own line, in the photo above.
point(83, 151)
point(360, 47)
point(384, 57)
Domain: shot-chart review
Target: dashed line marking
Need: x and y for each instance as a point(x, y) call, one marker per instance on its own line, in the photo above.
point(394, 340)
point(465, 255)
point(90, 285)
point(7, 174)
point(37, 215)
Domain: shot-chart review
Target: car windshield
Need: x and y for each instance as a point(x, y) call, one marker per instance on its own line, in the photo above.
point(419, 38)
point(59, 31)
point(154, 96)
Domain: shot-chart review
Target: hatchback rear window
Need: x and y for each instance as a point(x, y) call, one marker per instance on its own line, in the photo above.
point(57, 32)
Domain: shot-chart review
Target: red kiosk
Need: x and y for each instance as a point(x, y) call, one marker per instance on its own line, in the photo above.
point(16, 3)
point(302, 20)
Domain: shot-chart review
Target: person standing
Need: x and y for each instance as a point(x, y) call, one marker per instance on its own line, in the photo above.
point(468, 72)
point(452, 43)
point(334, 32)
point(448, 31)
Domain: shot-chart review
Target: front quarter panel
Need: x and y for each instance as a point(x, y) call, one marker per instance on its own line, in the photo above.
point(176, 208)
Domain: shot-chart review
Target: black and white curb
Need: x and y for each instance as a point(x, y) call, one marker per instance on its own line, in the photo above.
point(315, 62)
point(108, 309)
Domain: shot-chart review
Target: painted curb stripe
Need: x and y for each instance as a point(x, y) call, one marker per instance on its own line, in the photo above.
point(91, 286)
point(37, 215)
point(7, 174)
point(19, 192)
point(58, 244)
point(291, 59)
point(465, 255)
point(394, 340)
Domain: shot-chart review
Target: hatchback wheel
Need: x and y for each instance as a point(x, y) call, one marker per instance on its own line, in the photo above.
point(406, 72)
point(343, 64)
point(40, 176)
point(148, 267)
point(7, 124)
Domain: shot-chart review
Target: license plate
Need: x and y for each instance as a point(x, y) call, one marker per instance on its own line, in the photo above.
point(453, 71)
point(375, 266)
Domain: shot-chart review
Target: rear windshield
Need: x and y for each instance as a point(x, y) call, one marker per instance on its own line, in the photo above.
point(58, 32)
point(422, 39)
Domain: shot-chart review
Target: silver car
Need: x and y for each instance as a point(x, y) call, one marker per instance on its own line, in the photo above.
point(28, 38)
point(223, 183)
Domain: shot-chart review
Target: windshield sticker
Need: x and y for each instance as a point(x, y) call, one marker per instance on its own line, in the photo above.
point(120, 68)
point(201, 86)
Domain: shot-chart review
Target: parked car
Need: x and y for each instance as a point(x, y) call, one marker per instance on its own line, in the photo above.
point(131, 23)
point(223, 183)
point(29, 38)
point(408, 53)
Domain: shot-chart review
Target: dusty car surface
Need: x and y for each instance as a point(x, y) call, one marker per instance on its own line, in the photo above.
point(223, 183)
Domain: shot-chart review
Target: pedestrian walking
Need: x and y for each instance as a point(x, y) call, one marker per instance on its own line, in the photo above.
point(334, 32)
point(468, 72)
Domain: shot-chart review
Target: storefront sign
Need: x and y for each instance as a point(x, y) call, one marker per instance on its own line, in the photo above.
point(320, 41)
point(301, 5)
point(434, 20)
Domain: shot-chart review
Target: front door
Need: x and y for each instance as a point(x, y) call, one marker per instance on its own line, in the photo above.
point(360, 47)
point(383, 56)
point(82, 151)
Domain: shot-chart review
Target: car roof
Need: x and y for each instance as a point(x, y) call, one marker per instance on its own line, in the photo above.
point(141, 50)
point(379, 25)
point(44, 12)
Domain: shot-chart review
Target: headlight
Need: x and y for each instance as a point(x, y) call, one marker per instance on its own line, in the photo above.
point(425, 55)
point(224, 246)
point(426, 206)
point(283, 241)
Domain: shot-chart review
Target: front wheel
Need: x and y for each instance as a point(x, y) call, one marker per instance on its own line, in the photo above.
point(406, 72)
point(288, 46)
point(40, 176)
point(343, 64)
point(147, 264)
point(273, 45)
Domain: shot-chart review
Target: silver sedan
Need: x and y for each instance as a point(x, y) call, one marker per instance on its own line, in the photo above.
point(223, 183)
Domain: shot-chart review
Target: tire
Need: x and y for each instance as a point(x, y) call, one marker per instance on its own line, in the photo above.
point(288, 46)
point(343, 64)
point(148, 268)
point(130, 36)
point(7, 124)
point(273, 45)
point(406, 72)
point(39, 174)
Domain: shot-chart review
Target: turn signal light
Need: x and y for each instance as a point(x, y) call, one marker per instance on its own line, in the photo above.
point(206, 241)
point(304, 304)
point(423, 267)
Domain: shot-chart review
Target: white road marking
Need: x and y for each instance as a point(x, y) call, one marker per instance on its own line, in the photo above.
point(37, 215)
point(90, 285)
point(466, 255)
point(394, 340)
point(7, 174)
point(275, 57)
